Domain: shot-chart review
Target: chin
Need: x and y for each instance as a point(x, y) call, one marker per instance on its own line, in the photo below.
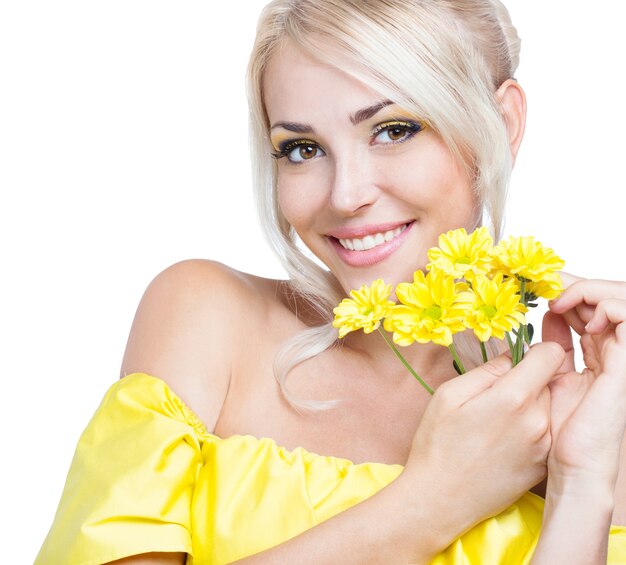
point(389, 276)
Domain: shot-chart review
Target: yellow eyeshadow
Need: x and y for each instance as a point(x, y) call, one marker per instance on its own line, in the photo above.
point(277, 138)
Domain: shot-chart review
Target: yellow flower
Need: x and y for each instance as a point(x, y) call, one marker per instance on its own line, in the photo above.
point(462, 255)
point(433, 308)
point(367, 307)
point(526, 258)
point(549, 288)
point(497, 308)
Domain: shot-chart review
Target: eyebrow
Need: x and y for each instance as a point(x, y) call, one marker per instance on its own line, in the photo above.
point(356, 118)
point(292, 126)
point(370, 111)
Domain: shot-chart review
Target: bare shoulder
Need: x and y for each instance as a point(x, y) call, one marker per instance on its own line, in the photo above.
point(188, 326)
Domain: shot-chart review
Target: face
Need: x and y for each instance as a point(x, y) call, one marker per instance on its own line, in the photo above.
point(365, 184)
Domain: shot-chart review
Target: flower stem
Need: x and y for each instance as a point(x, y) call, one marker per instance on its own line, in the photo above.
point(404, 361)
point(510, 342)
point(483, 350)
point(521, 332)
point(456, 358)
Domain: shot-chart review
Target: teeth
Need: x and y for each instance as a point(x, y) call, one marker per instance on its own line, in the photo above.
point(368, 242)
point(371, 241)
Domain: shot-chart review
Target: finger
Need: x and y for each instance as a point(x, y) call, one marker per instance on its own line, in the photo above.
point(606, 313)
point(555, 328)
point(590, 359)
point(575, 320)
point(465, 387)
point(588, 292)
point(539, 366)
point(569, 279)
point(567, 391)
point(585, 312)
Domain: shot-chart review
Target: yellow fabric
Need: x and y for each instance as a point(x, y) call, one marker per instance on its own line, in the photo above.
point(147, 476)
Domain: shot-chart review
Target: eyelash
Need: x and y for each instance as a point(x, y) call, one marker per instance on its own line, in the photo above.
point(411, 128)
point(288, 146)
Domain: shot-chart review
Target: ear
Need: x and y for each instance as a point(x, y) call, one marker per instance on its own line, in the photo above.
point(513, 108)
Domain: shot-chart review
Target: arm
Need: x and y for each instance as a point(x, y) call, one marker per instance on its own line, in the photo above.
point(141, 435)
point(576, 522)
point(174, 323)
point(588, 423)
point(184, 327)
point(387, 528)
point(619, 511)
point(431, 504)
point(180, 333)
point(170, 339)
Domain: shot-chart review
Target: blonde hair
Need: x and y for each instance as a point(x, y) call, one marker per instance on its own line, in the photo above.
point(442, 60)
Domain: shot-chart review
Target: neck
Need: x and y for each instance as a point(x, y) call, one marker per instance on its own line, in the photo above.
point(433, 363)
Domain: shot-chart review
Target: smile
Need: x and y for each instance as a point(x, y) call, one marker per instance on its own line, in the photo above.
point(371, 241)
point(366, 246)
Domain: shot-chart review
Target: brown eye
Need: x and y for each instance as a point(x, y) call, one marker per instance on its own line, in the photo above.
point(308, 151)
point(395, 132)
point(301, 150)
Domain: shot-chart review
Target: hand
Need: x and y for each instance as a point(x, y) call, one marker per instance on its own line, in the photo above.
point(484, 438)
point(589, 408)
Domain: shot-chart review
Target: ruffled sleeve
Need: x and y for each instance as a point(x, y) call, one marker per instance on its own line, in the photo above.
point(130, 485)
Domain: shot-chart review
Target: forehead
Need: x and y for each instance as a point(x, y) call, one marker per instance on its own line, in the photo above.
point(295, 86)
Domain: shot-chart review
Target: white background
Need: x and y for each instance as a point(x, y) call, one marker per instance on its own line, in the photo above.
point(123, 149)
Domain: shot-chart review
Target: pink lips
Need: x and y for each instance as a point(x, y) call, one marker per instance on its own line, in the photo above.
point(369, 256)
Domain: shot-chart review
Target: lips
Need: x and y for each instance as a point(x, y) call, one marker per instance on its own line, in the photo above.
point(369, 245)
point(371, 241)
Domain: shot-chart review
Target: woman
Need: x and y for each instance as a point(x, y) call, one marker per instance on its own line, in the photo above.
point(395, 119)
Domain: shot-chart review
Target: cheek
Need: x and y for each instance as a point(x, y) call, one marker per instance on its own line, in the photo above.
point(433, 179)
point(289, 202)
point(300, 198)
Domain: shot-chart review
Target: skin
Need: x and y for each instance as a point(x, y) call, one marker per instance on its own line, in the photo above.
point(356, 178)
point(587, 468)
point(185, 333)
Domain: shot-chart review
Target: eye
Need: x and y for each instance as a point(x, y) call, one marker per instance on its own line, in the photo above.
point(299, 151)
point(395, 132)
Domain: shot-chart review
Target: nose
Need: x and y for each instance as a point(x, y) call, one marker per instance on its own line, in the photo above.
point(353, 186)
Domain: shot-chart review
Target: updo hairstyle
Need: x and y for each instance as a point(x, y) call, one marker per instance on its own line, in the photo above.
point(441, 60)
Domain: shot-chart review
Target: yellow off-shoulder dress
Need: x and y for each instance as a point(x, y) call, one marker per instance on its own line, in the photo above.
point(147, 476)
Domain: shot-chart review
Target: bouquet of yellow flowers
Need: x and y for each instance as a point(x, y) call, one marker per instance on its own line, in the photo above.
point(469, 284)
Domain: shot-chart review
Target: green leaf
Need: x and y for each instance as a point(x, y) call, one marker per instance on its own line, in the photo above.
point(531, 333)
